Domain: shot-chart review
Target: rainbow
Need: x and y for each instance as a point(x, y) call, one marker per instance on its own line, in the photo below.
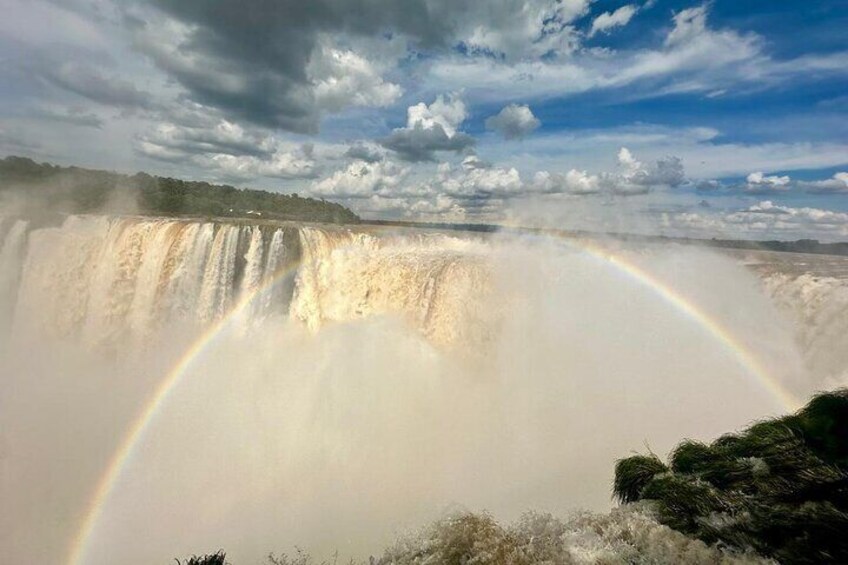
point(135, 433)
point(714, 327)
point(618, 262)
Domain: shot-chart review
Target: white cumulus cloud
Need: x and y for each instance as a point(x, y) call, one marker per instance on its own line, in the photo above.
point(361, 179)
point(344, 78)
point(837, 183)
point(759, 182)
point(446, 111)
point(513, 121)
point(431, 128)
point(763, 220)
point(572, 182)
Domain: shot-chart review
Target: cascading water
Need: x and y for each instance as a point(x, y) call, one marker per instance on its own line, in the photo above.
point(12, 248)
point(374, 380)
point(812, 292)
point(818, 306)
point(438, 283)
point(104, 279)
point(107, 280)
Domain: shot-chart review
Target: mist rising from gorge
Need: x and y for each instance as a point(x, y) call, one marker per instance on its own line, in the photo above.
point(386, 378)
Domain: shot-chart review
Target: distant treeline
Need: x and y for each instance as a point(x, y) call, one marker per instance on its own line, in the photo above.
point(798, 246)
point(78, 190)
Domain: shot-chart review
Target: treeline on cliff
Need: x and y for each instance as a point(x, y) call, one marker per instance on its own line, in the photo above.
point(37, 187)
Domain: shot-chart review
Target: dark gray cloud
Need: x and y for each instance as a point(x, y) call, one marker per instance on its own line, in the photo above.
point(255, 28)
point(92, 83)
point(665, 172)
point(365, 152)
point(261, 60)
point(73, 115)
point(420, 143)
point(708, 185)
point(252, 60)
point(223, 138)
point(15, 141)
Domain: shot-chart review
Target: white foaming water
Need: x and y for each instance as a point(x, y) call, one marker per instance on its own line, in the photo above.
point(115, 281)
point(389, 378)
point(818, 306)
point(439, 284)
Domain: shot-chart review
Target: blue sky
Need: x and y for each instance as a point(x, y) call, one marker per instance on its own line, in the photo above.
point(718, 118)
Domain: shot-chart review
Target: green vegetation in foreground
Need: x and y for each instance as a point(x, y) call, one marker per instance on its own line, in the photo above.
point(779, 488)
point(43, 187)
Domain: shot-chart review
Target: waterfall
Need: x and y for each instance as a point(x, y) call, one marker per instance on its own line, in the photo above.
point(275, 299)
point(11, 252)
point(105, 280)
point(108, 280)
point(438, 284)
point(818, 307)
point(381, 376)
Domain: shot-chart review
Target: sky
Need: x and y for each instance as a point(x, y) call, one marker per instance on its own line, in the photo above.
point(706, 119)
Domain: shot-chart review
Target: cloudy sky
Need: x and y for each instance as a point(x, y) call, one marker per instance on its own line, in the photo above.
point(659, 116)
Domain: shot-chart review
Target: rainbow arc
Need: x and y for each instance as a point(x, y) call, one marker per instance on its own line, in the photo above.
point(616, 261)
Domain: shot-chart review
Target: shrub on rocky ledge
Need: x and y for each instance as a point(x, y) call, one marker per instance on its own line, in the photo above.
point(779, 488)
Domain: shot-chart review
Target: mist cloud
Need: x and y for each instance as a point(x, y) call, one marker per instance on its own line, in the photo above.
point(488, 359)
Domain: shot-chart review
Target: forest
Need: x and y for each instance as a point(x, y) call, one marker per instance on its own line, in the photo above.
point(38, 187)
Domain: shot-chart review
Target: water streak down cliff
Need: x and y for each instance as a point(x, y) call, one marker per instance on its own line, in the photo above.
point(110, 280)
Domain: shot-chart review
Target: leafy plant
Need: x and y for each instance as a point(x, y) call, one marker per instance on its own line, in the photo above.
point(780, 487)
point(219, 558)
